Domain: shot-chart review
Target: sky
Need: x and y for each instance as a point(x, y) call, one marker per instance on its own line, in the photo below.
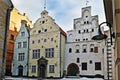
point(63, 11)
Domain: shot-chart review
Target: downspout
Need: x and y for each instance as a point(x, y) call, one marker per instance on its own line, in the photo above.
point(5, 38)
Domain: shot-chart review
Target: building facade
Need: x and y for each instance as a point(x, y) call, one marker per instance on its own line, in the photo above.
point(84, 56)
point(15, 23)
point(5, 8)
point(10, 49)
point(21, 51)
point(112, 11)
point(47, 41)
point(15, 19)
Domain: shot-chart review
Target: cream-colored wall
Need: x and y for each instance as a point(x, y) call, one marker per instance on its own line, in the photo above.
point(15, 19)
point(117, 26)
point(63, 39)
point(53, 31)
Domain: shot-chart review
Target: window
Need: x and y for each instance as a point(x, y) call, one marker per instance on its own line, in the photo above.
point(33, 42)
point(22, 34)
point(51, 69)
point(25, 44)
point(45, 40)
point(91, 49)
point(84, 30)
point(87, 30)
point(36, 54)
point(78, 60)
point(90, 61)
point(95, 49)
point(39, 31)
point(45, 30)
point(21, 56)
point(39, 41)
point(87, 22)
point(79, 31)
point(92, 30)
point(84, 51)
point(49, 52)
point(19, 44)
point(84, 48)
point(70, 50)
point(84, 22)
point(51, 39)
point(43, 22)
point(77, 50)
point(33, 69)
point(84, 66)
point(97, 65)
point(11, 37)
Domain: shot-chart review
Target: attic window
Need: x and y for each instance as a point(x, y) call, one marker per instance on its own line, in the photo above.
point(43, 22)
point(43, 13)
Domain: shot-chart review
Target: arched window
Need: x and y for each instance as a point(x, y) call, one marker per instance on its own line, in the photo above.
point(84, 48)
point(77, 48)
point(91, 47)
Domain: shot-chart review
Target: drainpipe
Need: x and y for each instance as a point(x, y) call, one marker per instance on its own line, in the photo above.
point(5, 39)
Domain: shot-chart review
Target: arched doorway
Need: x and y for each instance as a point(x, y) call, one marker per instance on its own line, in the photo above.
point(72, 69)
point(42, 64)
point(20, 70)
point(42, 70)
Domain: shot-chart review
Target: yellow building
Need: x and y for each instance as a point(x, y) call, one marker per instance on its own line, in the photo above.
point(112, 11)
point(5, 8)
point(47, 44)
point(15, 19)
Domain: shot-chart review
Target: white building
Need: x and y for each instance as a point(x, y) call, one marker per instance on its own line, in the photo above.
point(83, 55)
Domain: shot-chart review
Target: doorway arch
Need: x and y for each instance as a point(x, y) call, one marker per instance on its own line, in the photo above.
point(20, 70)
point(72, 69)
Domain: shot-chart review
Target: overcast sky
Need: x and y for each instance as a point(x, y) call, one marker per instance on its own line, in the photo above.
point(63, 11)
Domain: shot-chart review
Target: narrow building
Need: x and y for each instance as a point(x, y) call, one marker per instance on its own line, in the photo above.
point(5, 9)
point(47, 44)
point(21, 51)
point(10, 50)
point(84, 56)
point(14, 27)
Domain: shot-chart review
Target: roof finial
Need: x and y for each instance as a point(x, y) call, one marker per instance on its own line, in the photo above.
point(45, 5)
point(87, 2)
